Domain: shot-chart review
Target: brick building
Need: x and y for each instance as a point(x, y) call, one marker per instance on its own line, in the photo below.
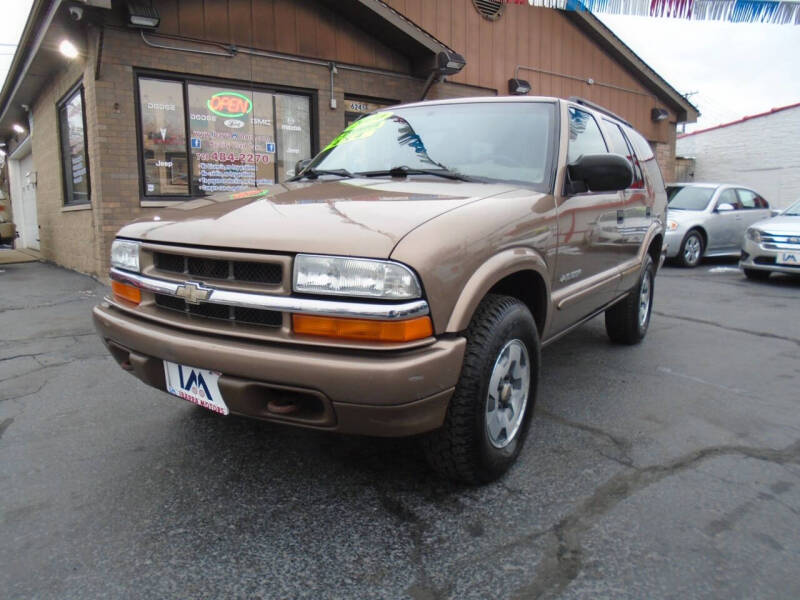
point(760, 151)
point(113, 109)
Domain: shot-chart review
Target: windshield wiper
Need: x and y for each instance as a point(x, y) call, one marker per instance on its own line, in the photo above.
point(403, 171)
point(315, 173)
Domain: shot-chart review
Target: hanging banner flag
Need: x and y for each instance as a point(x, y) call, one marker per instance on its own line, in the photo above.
point(783, 12)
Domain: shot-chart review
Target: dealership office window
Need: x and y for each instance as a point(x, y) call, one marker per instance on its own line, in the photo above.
point(166, 172)
point(75, 163)
point(226, 139)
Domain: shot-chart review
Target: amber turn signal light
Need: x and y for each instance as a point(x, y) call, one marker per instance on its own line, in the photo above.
point(128, 293)
point(363, 329)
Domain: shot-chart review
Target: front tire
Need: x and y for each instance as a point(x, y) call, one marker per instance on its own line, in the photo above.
point(691, 249)
point(490, 411)
point(627, 321)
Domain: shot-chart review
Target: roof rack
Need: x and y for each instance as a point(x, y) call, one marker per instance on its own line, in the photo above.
point(598, 108)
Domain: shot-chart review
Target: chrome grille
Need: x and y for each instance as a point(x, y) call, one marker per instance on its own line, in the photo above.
point(211, 268)
point(780, 241)
point(250, 316)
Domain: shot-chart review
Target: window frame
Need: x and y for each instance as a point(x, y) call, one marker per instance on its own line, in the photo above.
point(638, 174)
point(186, 80)
point(67, 198)
point(580, 108)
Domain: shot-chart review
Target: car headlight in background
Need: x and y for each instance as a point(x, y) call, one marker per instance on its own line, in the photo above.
point(125, 255)
point(342, 276)
point(754, 235)
point(672, 225)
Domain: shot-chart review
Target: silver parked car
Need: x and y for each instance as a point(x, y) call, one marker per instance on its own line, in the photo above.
point(773, 245)
point(709, 219)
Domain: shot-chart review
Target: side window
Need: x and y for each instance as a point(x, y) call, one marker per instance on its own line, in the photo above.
point(751, 200)
point(74, 159)
point(584, 135)
point(643, 150)
point(647, 159)
point(619, 145)
point(729, 196)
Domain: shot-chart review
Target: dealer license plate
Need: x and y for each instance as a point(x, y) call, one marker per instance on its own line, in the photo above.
point(788, 258)
point(200, 386)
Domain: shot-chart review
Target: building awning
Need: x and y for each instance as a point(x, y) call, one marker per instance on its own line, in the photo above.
point(394, 30)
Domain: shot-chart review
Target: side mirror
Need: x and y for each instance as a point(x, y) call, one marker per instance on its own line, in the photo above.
point(724, 207)
point(601, 172)
point(300, 165)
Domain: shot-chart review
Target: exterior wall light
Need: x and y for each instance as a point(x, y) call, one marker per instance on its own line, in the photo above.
point(518, 87)
point(18, 128)
point(143, 15)
point(68, 49)
point(659, 114)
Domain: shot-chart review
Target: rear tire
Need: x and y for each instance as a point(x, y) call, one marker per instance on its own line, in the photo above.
point(490, 411)
point(627, 321)
point(756, 274)
point(691, 249)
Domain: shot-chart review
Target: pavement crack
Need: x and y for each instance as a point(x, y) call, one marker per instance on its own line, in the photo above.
point(621, 446)
point(4, 424)
point(44, 304)
point(25, 395)
point(563, 557)
point(30, 355)
point(762, 334)
point(39, 338)
point(423, 588)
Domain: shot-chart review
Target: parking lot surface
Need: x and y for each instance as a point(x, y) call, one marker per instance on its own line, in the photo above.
point(665, 470)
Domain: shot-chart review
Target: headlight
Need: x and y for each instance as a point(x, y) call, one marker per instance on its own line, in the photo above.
point(342, 276)
point(125, 255)
point(754, 234)
point(672, 225)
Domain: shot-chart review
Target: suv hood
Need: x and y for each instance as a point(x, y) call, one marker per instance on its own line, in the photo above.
point(361, 217)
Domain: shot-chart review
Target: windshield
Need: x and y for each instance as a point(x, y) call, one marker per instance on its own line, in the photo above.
point(506, 141)
point(690, 198)
point(793, 210)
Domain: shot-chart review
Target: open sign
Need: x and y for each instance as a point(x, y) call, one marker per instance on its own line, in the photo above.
point(229, 104)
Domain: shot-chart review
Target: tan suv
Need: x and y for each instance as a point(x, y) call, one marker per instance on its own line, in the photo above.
point(405, 281)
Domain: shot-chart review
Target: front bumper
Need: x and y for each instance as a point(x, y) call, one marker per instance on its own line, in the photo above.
point(672, 241)
point(381, 393)
point(757, 257)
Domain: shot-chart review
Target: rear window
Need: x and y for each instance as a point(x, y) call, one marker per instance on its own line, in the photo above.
point(690, 198)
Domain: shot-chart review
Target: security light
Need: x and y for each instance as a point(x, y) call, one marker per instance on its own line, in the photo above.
point(18, 128)
point(68, 49)
point(518, 87)
point(659, 114)
point(450, 63)
point(142, 14)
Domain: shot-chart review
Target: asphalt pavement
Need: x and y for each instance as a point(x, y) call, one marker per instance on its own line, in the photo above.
point(665, 470)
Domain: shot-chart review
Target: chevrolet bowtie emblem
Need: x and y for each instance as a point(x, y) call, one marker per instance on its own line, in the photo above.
point(192, 292)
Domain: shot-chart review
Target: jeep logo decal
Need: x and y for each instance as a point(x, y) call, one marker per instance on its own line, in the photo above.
point(229, 104)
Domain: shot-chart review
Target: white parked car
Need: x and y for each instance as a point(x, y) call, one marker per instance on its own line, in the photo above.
point(773, 245)
point(709, 219)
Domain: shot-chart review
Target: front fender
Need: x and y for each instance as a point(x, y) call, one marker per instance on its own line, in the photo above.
point(485, 277)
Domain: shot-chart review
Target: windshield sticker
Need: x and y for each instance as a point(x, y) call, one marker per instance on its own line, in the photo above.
point(363, 128)
point(248, 194)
